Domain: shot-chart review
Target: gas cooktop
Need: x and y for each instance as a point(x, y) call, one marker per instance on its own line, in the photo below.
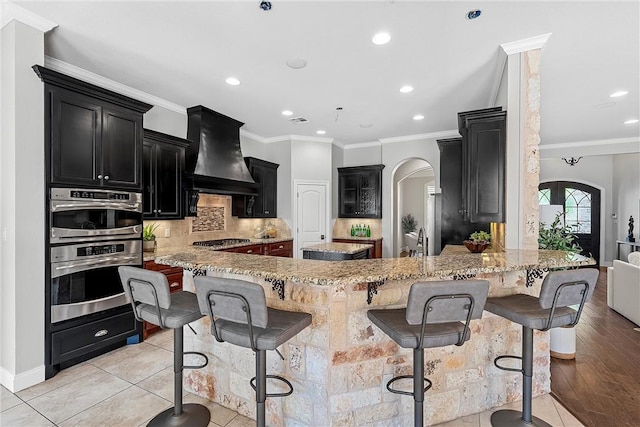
point(220, 242)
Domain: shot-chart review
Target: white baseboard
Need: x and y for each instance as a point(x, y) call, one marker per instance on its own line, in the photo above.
point(15, 383)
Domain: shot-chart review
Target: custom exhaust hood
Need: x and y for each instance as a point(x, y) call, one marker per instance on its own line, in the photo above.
point(213, 161)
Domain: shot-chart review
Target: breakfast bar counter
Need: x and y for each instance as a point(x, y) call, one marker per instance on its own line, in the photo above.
point(339, 366)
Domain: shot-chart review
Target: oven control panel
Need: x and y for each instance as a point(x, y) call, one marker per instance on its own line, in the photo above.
point(97, 195)
point(99, 250)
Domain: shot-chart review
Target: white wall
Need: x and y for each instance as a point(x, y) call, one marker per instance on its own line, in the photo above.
point(370, 155)
point(166, 121)
point(596, 171)
point(280, 153)
point(22, 209)
point(337, 161)
point(626, 194)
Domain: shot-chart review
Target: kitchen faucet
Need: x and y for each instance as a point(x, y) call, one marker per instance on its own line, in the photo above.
point(422, 242)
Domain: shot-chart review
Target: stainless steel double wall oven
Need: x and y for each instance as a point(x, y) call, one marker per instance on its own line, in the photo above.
point(91, 233)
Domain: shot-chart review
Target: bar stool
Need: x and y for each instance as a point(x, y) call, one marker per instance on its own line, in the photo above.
point(240, 316)
point(560, 289)
point(437, 314)
point(148, 292)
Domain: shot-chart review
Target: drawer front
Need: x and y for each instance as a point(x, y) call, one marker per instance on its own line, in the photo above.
point(165, 269)
point(283, 249)
point(251, 249)
point(74, 342)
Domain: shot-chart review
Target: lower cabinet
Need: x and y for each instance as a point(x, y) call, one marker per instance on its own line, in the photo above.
point(376, 252)
point(174, 277)
point(281, 249)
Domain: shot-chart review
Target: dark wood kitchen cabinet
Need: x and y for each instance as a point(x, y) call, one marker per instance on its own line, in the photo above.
point(360, 191)
point(262, 205)
point(483, 164)
point(162, 166)
point(93, 135)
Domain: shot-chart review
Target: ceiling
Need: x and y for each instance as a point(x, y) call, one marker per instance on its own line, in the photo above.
point(183, 52)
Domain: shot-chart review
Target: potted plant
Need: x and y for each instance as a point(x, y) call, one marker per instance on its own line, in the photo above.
point(149, 237)
point(478, 241)
point(409, 224)
point(557, 236)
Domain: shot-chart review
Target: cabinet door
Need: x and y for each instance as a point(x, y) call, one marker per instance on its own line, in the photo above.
point(485, 201)
point(348, 184)
point(368, 199)
point(258, 173)
point(121, 148)
point(76, 121)
point(270, 193)
point(148, 180)
point(168, 181)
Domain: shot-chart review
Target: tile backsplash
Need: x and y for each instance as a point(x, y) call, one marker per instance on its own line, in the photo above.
point(214, 221)
point(342, 227)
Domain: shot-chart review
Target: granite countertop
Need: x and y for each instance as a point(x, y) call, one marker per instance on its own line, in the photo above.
point(356, 238)
point(369, 270)
point(341, 248)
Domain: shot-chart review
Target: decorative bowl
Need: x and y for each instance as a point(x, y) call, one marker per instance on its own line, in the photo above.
point(476, 247)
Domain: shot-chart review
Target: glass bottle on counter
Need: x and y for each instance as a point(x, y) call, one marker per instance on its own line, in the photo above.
point(353, 230)
point(368, 231)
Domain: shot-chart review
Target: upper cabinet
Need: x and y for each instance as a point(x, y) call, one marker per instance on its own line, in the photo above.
point(483, 164)
point(262, 205)
point(360, 191)
point(93, 135)
point(163, 165)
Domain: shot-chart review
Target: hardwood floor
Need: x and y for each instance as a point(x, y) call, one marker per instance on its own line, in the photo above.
point(601, 387)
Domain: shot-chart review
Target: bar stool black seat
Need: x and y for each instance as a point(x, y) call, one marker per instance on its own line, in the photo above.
point(148, 292)
point(438, 314)
point(240, 316)
point(560, 289)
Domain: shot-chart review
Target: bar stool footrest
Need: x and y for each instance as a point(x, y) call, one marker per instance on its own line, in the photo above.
point(274, 377)
point(504, 368)
point(402, 377)
point(511, 418)
point(197, 353)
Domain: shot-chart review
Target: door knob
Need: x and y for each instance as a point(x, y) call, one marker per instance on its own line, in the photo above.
point(322, 237)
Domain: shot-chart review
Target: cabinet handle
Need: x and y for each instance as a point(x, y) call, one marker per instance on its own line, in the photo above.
point(249, 251)
point(266, 212)
point(101, 333)
point(174, 285)
point(280, 247)
point(100, 176)
point(106, 177)
point(159, 211)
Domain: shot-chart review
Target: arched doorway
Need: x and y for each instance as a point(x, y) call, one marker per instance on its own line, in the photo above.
point(581, 205)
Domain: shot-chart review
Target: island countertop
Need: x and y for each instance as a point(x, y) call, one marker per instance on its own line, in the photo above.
point(453, 261)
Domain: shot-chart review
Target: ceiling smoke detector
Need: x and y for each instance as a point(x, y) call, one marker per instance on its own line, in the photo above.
point(298, 120)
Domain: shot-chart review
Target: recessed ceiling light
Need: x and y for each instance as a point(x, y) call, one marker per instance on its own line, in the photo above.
point(296, 63)
point(366, 125)
point(604, 105)
point(232, 81)
point(631, 121)
point(381, 38)
point(473, 14)
point(287, 113)
point(418, 117)
point(321, 132)
point(618, 94)
point(406, 89)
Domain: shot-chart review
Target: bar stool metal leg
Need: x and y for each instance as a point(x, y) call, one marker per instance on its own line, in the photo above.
point(511, 418)
point(190, 414)
point(261, 386)
point(418, 386)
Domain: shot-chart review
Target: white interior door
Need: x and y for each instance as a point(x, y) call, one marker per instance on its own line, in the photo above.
point(311, 216)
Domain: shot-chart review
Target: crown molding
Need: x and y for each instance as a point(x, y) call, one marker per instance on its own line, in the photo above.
point(407, 138)
point(323, 140)
point(11, 12)
point(580, 144)
point(98, 80)
point(253, 136)
point(531, 43)
point(501, 64)
point(362, 145)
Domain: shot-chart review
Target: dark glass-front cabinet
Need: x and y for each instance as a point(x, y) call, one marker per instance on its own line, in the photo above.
point(360, 191)
point(163, 165)
point(262, 205)
point(94, 135)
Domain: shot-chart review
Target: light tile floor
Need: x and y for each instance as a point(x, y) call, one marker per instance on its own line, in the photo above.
point(112, 390)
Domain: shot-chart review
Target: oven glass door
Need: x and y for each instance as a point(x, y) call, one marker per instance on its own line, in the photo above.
point(94, 223)
point(88, 281)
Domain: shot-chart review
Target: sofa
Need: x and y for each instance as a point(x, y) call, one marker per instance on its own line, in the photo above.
point(623, 287)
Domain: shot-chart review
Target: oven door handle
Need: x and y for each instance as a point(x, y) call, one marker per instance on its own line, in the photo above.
point(73, 267)
point(73, 206)
point(60, 234)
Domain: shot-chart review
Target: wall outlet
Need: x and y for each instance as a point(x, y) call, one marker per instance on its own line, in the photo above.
point(167, 232)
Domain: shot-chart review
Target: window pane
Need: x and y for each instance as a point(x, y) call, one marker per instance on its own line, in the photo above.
point(579, 204)
point(544, 196)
